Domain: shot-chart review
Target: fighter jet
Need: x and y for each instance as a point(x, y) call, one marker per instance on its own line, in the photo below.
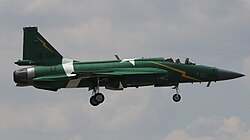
point(45, 68)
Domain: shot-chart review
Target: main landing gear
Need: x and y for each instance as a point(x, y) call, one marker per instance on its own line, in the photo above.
point(177, 96)
point(97, 97)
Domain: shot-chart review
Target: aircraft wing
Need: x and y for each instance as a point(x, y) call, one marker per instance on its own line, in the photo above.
point(51, 78)
point(120, 72)
point(102, 73)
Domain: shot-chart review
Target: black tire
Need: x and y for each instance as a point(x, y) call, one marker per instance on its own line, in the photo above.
point(99, 98)
point(177, 97)
point(93, 102)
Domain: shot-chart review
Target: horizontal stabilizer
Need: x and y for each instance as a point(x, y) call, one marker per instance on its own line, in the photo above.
point(25, 62)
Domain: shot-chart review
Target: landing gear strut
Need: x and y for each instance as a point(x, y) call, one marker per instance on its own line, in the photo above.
point(177, 96)
point(97, 97)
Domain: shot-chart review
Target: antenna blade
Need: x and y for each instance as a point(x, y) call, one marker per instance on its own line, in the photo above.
point(117, 57)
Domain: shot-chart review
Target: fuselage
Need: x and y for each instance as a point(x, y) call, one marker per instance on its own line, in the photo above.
point(115, 74)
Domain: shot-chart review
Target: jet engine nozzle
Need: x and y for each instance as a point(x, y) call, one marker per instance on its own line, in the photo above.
point(20, 75)
point(23, 75)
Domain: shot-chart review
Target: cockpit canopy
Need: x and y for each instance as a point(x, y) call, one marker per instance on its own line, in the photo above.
point(178, 61)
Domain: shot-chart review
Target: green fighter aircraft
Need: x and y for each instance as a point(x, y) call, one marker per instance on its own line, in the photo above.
point(47, 69)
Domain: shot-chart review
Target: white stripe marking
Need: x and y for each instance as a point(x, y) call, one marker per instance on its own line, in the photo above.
point(68, 67)
point(73, 83)
point(120, 85)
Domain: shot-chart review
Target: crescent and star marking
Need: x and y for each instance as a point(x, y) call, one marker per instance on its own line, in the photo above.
point(132, 61)
point(183, 73)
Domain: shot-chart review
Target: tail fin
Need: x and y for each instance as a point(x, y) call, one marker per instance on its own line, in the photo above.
point(37, 50)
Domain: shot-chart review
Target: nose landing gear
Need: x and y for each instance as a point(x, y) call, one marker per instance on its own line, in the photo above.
point(177, 96)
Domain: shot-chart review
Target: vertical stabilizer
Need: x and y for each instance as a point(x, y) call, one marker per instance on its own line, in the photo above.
point(37, 50)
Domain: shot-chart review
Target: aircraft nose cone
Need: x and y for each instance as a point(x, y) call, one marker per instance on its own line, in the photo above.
point(226, 75)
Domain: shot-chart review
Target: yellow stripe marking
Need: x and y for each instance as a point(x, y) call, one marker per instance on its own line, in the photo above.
point(44, 44)
point(183, 73)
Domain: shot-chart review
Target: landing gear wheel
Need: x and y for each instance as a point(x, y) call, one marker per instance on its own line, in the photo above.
point(99, 98)
point(177, 97)
point(93, 102)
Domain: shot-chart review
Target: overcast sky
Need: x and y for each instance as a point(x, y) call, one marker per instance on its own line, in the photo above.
point(211, 32)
